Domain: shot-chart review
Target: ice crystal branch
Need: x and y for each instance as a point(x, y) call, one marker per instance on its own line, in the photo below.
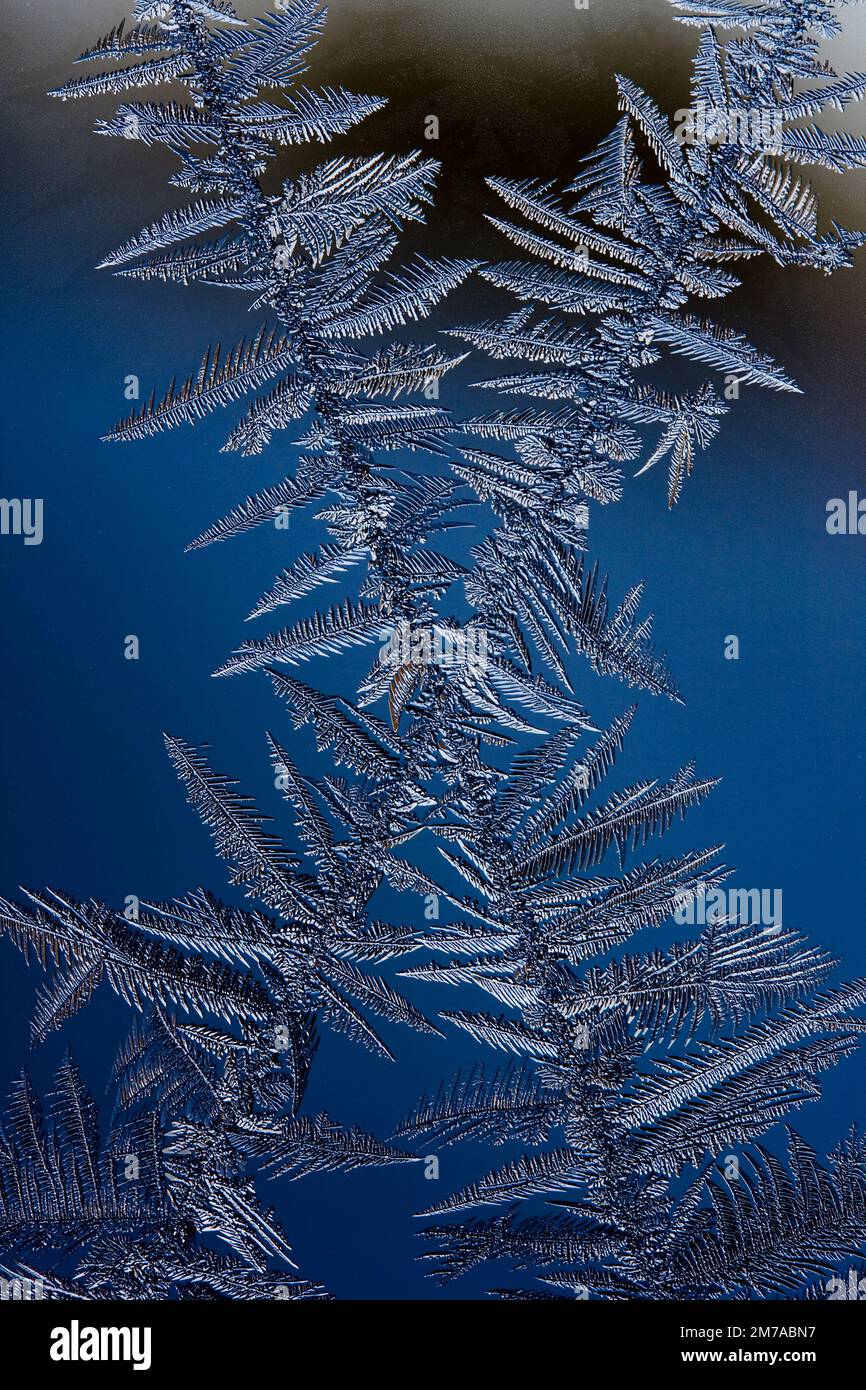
point(612, 277)
point(128, 1215)
point(611, 1125)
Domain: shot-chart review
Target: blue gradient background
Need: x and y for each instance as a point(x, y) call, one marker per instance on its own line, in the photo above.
point(90, 803)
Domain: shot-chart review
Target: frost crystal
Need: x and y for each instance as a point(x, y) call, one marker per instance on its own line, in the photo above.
point(626, 1068)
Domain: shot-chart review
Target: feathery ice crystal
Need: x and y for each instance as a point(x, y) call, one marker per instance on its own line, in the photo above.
point(498, 761)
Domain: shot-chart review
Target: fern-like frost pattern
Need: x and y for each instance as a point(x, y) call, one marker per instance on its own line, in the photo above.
point(623, 1073)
